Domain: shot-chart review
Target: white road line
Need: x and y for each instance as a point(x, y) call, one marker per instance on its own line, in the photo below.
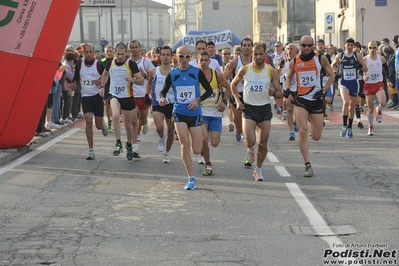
point(315, 218)
point(282, 171)
point(30, 155)
point(272, 158)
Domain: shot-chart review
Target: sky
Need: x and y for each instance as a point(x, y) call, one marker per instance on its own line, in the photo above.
point(166, 2)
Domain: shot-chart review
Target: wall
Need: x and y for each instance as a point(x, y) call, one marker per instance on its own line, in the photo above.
point(234, 15)
point(159, 24)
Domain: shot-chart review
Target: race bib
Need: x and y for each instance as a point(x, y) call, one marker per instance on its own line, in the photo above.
point(118, 90)
point(349, 74)
point(185, 94)
point(212, 98)
point(374, 76)
point(307, 78)
point(88, 83)
point(256, 85)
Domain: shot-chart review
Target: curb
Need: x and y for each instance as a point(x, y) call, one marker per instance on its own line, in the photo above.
point(7, 155)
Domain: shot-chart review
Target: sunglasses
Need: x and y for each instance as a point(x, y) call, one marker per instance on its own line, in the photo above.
point(373, 47)
point(277, 46)
point(226, 53)
point(184, 56)
point(305, 44)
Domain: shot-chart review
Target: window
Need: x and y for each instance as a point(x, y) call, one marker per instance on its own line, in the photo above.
point(122, 26)
point(92, 31)
point(150, 26)
point(343, 3)
point(160, 26)
point(215, 5)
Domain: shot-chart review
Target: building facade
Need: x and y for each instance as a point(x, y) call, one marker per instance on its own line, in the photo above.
point(143, 20)
point(234, 15)
point(364, 20)
point(295, 19)
point(265, 21)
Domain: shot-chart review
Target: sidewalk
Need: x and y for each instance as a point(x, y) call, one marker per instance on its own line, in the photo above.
point(7, 155)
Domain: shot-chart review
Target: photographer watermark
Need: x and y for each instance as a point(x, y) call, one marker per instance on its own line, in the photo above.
point(360, 254)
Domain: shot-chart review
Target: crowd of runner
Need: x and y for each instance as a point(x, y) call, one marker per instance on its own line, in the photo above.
point(188, 91)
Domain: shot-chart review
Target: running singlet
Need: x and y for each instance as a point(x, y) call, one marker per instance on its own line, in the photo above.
point(308, 76)
point(186, 89)
point(119, 87)
point(374, 70)
point(240, 86)
point(208, 105)
point(256, 85)
point(347, 67)
point(284, 74)
point(157, 86)
point(146, 65)
point(87, 77)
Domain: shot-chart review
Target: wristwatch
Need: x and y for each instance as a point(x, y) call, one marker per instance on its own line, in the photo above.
point(225, 101)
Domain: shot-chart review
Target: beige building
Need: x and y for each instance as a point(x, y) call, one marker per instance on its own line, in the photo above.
point(265, 21)
point(364, 20)
point(233, 15)
point(146, 21)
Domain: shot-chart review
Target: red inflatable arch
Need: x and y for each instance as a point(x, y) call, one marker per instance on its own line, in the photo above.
point(33, 35)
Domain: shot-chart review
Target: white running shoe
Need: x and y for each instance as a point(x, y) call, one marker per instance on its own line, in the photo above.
point(67, 121)
point(165, 159)
point(92, 156)
point(201, 160)
point(258, 174)
point(52, 125)
point(161, 144)
point(105, 129)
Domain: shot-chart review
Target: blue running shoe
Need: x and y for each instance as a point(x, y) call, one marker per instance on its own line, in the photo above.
point(343, 132)
point(295, 127)
point(292, 136)
point(191, 183)
point(350, 133)
point(238, 138)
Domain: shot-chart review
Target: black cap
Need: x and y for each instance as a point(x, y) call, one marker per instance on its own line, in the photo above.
point(357, 44)
point(320, 41)
point(395, 39)
point(350, 40)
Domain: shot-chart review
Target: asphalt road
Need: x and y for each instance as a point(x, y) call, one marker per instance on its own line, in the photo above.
point(59, 209)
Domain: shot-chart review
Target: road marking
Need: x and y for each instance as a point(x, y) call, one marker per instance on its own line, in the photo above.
point(7, 167)
point(272, 158)
point(315, 218)
point(282, 171)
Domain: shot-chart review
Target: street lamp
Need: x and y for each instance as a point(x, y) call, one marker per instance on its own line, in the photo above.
point(363, 11)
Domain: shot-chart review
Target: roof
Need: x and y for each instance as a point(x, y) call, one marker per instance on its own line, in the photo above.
point(142, 3)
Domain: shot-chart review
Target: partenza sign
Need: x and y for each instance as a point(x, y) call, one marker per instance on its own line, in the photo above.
point(217, 37)
point(97, 3)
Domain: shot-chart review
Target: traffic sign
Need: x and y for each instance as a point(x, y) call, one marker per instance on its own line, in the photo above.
point(329, 22)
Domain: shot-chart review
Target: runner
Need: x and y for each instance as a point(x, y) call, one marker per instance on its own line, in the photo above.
point(123, 73)
point(187, 111)
point(373, 86)
point(88, 74)
point(231, 70)
point(140, 112)
point(256, 106)
point(156, 81)
point(283, 69)
point(309, 102)
point(212, 109)
point(349, 62)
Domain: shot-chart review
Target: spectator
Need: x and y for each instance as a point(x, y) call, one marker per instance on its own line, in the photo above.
point(103, 43)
